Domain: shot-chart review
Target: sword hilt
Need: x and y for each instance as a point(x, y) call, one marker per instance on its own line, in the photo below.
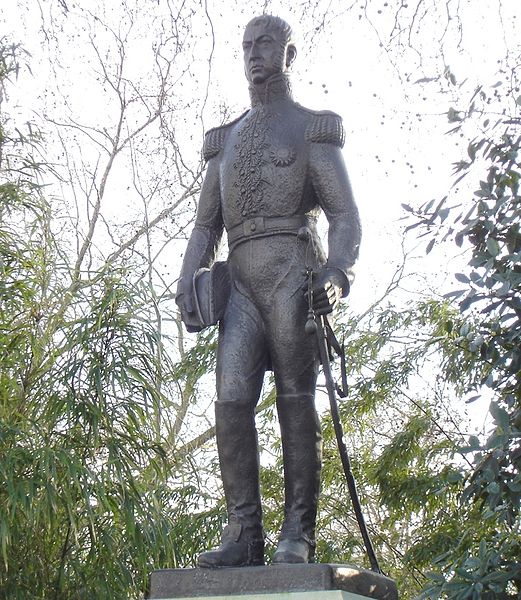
point(311, 326)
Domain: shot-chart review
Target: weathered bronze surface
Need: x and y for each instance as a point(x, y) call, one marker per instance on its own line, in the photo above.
point(270, 174)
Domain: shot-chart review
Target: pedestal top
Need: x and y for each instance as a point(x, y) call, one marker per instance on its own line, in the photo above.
point(197, 583)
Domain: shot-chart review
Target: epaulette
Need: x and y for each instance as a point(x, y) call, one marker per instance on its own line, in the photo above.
point(325, 127)
point(214, 138)
point(213, 142)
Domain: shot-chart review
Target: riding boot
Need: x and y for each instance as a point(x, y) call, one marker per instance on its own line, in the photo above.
point(302, 453)
point(242, 542)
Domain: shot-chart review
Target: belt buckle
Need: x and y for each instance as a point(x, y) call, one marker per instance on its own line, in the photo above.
point(254, 226)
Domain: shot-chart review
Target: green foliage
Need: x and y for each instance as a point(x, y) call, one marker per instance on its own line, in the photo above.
point(90, 498)
point(485, 561)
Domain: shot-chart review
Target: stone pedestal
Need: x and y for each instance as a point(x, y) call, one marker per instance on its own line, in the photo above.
point(274, 582)
point(331, 595)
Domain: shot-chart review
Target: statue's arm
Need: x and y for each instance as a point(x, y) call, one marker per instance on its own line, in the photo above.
point(335, 196)
point(333, 189)
point(203, 243)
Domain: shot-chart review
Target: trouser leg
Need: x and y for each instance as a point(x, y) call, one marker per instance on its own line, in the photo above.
point(295, 364)
point(241, 360)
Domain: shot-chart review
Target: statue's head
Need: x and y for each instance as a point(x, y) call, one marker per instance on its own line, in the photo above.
point(267, 47)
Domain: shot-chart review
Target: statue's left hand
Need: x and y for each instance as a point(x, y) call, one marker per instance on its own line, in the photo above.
point(328, 286)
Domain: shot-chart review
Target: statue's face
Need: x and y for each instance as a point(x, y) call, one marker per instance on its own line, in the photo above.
point(264, 53)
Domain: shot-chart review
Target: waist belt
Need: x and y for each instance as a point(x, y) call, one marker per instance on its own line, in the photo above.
point(263, 226)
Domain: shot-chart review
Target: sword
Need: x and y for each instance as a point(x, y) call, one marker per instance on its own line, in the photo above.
point(318, 325)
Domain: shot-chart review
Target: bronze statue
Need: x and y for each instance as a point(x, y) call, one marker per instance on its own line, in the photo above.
point(270, 173)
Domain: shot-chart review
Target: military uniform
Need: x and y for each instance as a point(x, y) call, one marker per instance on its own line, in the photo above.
point(270, 173)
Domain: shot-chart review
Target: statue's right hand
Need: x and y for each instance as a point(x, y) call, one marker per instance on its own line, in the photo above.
point(185, 302)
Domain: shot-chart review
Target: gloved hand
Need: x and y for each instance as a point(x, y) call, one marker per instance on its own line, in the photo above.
point(185, 301)
point(329, 284)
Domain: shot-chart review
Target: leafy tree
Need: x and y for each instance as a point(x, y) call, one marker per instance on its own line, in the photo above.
point(92, 493)
point(484, 562)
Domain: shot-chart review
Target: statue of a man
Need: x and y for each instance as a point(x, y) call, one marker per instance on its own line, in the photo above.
point(270, 173)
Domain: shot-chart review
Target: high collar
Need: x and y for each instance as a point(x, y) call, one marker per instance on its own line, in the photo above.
point(276, 87)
